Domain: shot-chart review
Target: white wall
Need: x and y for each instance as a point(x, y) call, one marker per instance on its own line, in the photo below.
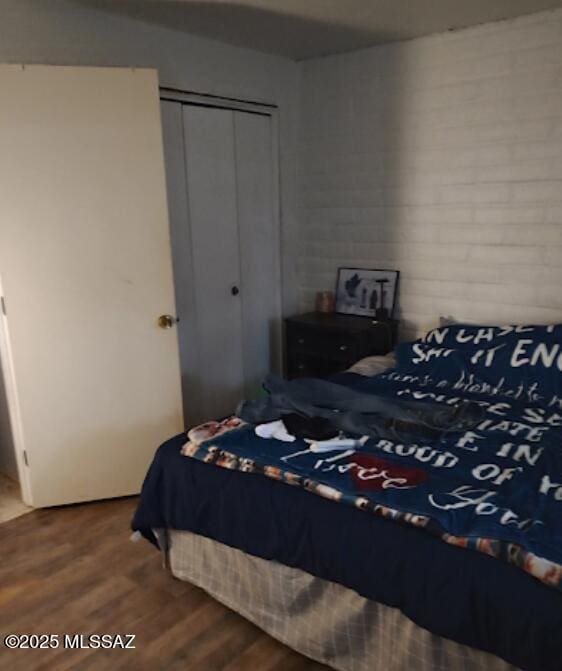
point(441, 157)
point(60, 32)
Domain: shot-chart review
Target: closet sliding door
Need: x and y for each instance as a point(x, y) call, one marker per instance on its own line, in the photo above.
point(220, 174)
point(258, 241)
point(211, 190)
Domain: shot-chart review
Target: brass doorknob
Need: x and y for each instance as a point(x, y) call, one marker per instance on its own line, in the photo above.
point(166, 321)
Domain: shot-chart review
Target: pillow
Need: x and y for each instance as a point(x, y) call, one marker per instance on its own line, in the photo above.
point(373, 365)
point(477, 335)
point(521, 362)
point(448, 320)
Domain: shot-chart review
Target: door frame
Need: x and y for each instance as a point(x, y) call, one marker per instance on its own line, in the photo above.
point(14, 410)
point(261, 109)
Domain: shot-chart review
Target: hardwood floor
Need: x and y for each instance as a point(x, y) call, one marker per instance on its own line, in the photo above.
point(73, 570)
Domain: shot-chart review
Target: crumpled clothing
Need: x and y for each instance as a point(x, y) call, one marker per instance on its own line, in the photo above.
point(357, 413)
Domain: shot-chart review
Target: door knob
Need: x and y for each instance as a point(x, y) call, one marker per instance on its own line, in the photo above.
point(166, 321)
point(235, 291)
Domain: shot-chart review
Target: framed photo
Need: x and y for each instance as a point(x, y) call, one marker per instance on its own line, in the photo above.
point(366, 293)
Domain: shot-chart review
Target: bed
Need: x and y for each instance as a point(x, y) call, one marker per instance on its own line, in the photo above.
point(386, 587)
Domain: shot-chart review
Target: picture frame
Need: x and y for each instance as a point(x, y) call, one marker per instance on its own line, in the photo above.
point(359, 292)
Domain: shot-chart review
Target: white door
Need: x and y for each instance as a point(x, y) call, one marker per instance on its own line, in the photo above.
point(86, 271)
point(220, 175)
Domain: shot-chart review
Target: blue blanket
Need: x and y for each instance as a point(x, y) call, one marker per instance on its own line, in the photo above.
point(496, 488)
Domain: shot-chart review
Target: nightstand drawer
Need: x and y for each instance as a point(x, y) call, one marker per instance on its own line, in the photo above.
point(319, 344)
point(305, 365)
point(340, 346)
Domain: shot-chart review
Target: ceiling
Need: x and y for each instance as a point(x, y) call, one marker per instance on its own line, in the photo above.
point(300, 29)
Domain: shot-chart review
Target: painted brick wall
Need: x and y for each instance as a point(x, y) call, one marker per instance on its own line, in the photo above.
point(441, 157)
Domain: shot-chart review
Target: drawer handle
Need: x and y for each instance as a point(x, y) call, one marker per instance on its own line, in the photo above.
point(300, 341)
point(343, 348)
point(301, 366)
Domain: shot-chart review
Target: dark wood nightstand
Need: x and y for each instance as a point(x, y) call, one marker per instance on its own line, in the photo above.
point(320, 344)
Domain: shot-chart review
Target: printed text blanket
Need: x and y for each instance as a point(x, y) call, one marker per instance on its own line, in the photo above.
point(496, 488)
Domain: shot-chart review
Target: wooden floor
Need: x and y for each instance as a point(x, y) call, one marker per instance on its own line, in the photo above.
point(73, 570)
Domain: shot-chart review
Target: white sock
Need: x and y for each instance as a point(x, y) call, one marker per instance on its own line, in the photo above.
point(276, 430)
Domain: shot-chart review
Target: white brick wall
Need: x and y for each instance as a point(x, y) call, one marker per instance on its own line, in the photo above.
point(441, 157)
